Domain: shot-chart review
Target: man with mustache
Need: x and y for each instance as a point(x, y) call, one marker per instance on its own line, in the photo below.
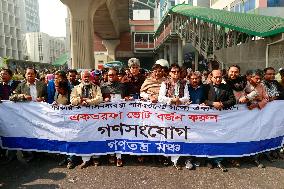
point(86, 93)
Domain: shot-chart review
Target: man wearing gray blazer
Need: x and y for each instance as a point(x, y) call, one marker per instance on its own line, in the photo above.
point(31, 89)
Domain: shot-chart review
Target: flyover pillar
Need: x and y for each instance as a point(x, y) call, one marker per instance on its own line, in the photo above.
point(165, 52)
point(180, 52)
point(196, 54)
point(161, 55)
point(82, 31)
point(111, 47)
point(171, 61)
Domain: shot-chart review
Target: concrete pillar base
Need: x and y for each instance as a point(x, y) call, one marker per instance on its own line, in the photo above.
point(180, 52)
point(111, 47)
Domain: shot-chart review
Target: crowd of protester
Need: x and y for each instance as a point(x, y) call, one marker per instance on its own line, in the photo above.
point(168, 84)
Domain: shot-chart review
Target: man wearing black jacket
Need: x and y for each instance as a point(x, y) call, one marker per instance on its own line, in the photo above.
point(219, 96)
point(7, 86)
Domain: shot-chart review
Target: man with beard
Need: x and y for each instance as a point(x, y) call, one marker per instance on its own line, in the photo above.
point(273, 88)
point(237, 83)
point(85, 94)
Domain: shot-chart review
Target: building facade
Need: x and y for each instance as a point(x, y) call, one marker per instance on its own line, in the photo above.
point(29, 15)
point(261, 7)
point(10, 29)
point(162, 6)
point(41, 47)
point(170, 46)
point(137, 43)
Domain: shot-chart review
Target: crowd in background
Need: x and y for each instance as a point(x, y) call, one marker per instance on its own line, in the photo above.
point(168, 84)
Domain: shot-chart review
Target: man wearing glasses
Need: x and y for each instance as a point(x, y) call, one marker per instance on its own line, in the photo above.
point(133, 80)
point(174, 91)
point(219, 96)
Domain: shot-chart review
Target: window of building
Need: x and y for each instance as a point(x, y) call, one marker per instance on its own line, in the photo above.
point(275, 3)
point(237, 8)
point(246, 6)
point(249, 5)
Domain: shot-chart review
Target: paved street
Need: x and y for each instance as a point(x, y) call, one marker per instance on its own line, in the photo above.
point(47, 174)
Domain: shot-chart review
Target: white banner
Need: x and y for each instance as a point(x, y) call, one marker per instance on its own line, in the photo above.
point(141, 128)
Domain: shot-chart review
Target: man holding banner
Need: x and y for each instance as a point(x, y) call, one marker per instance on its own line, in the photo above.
point(174, 91)
point(113, 91)
point(31, 89)
point(219, 96)
point(85, 94)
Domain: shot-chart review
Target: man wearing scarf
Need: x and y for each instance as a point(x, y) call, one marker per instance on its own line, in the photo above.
point(151, 86)
point(174, 90)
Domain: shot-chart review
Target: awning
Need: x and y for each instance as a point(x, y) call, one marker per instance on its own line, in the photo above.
point(252, 24)
point(63, 59)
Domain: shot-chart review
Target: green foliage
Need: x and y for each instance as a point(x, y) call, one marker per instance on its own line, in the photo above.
point(5, 60)
point(18, 77)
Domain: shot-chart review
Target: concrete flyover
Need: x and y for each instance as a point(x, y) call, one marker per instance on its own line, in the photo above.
point(106, 18)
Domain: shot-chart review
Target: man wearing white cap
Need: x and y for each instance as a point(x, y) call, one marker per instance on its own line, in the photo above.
point(151, 86)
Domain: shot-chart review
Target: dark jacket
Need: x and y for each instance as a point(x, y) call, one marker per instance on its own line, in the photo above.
point(12, 86)
point(133, 83)
point(225, 96)
point(108, 88)
point(280, 90)
point(198, 95)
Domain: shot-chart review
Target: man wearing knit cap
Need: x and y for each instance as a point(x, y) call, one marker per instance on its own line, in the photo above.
point(134, 79)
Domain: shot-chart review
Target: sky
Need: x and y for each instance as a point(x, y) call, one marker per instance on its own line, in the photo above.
point(52, 15)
